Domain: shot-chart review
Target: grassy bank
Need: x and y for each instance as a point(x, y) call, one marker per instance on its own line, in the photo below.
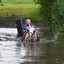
point(18, 1)
point(20, 8)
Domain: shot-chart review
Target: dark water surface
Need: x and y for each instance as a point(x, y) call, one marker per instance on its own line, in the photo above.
point(13, 51)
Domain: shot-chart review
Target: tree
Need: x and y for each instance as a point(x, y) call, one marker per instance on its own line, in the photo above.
point(1, 3)
point(0, 0)
point(46, 10)
point(52, 12)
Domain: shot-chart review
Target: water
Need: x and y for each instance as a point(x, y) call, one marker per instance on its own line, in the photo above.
point(13, 51)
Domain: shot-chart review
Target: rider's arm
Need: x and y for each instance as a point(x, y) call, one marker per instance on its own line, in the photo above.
point(25, 28)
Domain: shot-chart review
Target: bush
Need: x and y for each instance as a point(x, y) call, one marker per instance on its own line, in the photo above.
point(52, 13)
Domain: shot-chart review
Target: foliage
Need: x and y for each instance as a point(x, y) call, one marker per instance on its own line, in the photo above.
point(52, 12)
point(58, 19)
point(1, 3)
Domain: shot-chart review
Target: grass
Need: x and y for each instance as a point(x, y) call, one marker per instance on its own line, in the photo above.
point(18, 1)
point(20, 8)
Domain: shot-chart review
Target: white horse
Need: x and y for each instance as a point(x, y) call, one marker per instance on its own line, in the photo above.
point(32, 35)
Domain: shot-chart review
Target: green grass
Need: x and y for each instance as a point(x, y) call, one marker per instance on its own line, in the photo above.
point(20, 10)
point(18, 1)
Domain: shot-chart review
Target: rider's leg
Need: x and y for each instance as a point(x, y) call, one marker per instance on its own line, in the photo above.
point(26, 36)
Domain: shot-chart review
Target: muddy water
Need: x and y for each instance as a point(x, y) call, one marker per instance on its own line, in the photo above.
point(13, 51)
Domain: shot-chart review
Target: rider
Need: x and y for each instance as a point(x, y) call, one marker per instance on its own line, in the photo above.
point(26, 27)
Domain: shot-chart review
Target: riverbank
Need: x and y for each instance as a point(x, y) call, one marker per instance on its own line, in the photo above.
point(10, 21)
point(7, 22)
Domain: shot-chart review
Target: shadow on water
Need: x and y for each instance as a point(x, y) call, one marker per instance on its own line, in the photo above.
point(13, 51)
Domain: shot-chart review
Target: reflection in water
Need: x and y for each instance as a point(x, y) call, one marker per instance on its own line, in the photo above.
point(13, 51)
point(14, 54)
point(30, 53)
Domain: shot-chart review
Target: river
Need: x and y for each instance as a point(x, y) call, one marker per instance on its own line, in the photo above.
point(14, 51)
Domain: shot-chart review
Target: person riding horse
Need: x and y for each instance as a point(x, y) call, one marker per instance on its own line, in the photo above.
point(29, 28)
